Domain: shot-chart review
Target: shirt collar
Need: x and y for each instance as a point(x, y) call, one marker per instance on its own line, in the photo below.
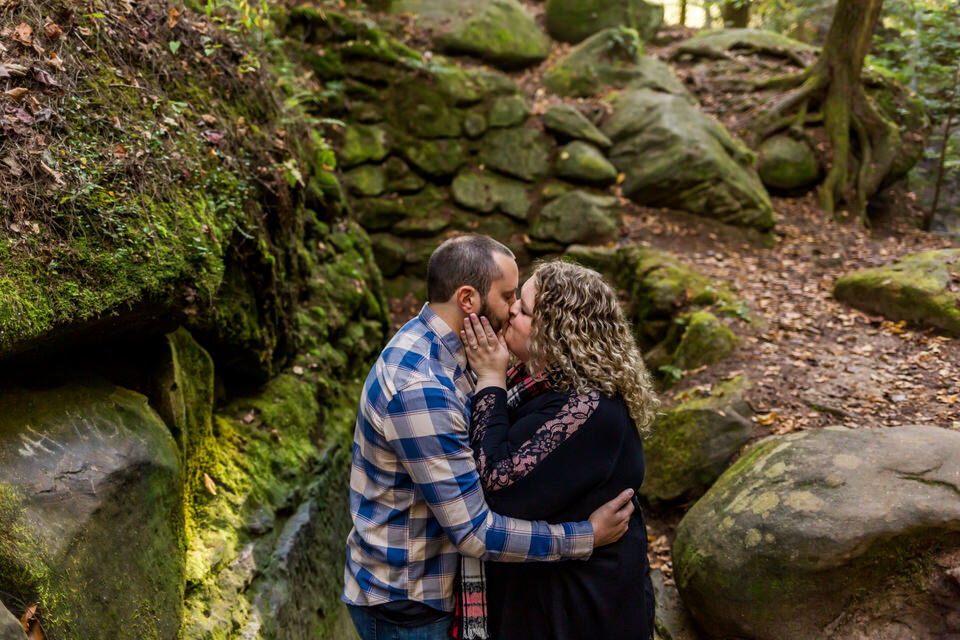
point(448, 337)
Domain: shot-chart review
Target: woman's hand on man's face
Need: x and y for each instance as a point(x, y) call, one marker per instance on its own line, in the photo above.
point(486, 351)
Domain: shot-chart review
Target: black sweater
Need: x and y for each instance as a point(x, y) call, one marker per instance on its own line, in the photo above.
point(557, 458)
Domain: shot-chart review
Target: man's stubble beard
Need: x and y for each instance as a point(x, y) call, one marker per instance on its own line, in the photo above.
point(496, 323)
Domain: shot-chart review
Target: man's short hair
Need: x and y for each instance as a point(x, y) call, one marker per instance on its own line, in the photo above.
point(464, 260)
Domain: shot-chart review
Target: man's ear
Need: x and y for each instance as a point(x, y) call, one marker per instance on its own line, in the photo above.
point(468, 299)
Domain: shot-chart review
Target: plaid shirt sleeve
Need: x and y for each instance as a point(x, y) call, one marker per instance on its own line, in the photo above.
point(426, 428)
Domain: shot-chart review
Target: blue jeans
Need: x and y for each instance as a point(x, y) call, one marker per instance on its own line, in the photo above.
point(371, 628)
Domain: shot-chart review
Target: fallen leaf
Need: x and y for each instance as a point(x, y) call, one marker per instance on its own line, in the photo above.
point(14, 166)
point(173, 17)
point(247, 419)
point(52, 31)
point(209, 484)
point(23, 34)
point(213, 137)
point(767, 419)
point(44, 78)
point(298, 370)
point(16, 93)
point(951, 399)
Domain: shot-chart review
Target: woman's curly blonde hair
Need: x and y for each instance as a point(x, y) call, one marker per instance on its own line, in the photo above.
point(581, 340)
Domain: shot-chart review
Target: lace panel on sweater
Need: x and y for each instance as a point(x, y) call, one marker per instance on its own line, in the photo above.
point(502, 473)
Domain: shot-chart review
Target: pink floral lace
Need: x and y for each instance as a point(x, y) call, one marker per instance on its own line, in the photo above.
point(499, 474)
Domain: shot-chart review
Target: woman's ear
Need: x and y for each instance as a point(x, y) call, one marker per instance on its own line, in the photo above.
point(468, 299)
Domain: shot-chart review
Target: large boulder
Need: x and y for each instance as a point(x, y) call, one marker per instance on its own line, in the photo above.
point(608, 59)
point(834, 533)
point(574, 20)
point(578, 217)
point(675, 156)
point(91, 524)
point(498, 31)
point(787, 164)
point(692, 443)
point(921, 288)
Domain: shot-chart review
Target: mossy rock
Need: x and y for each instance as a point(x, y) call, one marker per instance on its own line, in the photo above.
point(719, 43)
point(496, 225)
point(377, 214)
point(556, 188)
point(660, 291)
point(921, 288)
point(827, 533)
point(497, 31)
point(91, 522)
point(436, 158)
point(693, 442)
point(391, 253)
point(787, 164)
point(705, 341)
point(426, 213)
point(578, 217)
point(474, 124)
point(574, 20)
point(582, 162)
point(366, 180)
point(567, 123)
point(400, 178)
point(522, 153)
point(403, 286)
point(675, 156)
point(509, 111)
point(662, 285)
point(601, 61)
point(487, 192)
point(364, 143)
point(422, 107)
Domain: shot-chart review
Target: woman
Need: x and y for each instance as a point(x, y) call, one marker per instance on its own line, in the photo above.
point(559, 441)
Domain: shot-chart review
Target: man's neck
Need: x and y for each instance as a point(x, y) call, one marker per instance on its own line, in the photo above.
point(450, 314)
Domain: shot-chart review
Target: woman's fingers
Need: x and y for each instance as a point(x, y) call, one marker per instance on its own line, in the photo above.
point(468, 336)
point(478, 330)
point(488, 331)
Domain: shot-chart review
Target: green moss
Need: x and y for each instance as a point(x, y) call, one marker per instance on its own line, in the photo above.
point(705, 342)
point(915, 289)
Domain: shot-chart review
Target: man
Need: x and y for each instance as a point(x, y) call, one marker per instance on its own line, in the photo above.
point(415, 496)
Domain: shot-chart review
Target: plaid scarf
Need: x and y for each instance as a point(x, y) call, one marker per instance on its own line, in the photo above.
point(470, 613)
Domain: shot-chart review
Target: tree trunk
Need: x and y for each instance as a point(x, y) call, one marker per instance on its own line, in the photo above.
point(736, 14)
point(683, 13)
point(862, 142)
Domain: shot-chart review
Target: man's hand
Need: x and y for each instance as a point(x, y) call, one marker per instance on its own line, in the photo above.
point(610, 521)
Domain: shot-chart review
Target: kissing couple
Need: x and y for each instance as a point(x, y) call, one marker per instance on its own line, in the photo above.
point(496, 502)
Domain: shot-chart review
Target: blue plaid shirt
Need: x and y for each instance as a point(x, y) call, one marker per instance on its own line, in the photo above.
point(415, 495)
